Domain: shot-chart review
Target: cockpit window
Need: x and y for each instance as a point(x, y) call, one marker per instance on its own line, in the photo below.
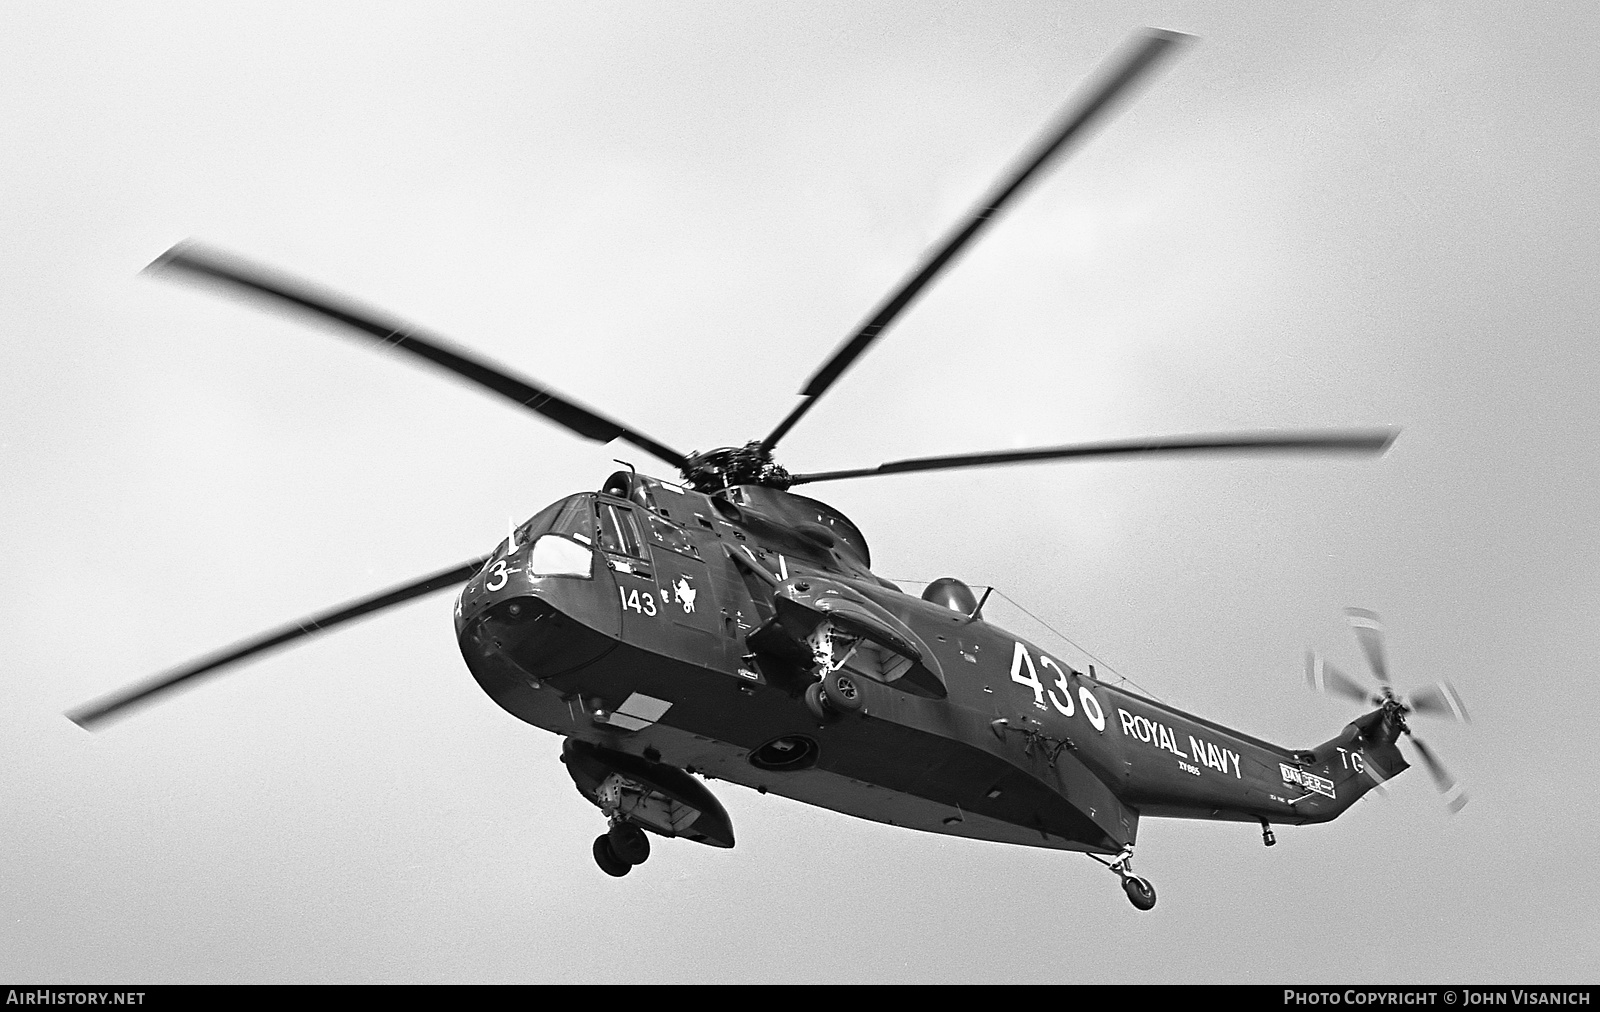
point(541, 522)
point(575, 519)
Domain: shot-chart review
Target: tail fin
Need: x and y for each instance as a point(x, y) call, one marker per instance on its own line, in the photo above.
point(1336, 774)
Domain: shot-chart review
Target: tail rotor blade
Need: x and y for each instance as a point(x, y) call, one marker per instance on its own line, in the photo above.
point(91, 716)
point(1438, 700)
point(1325, 678)
point(1369, 630)
point(1455, 798)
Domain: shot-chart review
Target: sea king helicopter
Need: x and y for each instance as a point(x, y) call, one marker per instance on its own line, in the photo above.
point(720, 626)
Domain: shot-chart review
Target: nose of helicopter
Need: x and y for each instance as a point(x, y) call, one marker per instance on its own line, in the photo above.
point(517, 646)
point(531, 635)
point(537, 612)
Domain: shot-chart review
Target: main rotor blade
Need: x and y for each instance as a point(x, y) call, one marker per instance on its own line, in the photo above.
point(210, 265)
point(91, 715)
point(1138, 58)
point(1369, 630)
point(1455, 798)
point(1438, 700)
point(1360, 441)
point(1324, 677)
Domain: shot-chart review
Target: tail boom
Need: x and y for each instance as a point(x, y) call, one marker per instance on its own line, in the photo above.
point(1255, 781)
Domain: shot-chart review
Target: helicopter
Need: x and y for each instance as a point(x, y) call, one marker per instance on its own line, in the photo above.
point(718, 626)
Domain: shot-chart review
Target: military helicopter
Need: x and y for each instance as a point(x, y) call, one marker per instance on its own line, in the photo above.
point(724, 627)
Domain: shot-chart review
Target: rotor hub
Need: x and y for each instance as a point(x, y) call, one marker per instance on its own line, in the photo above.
point(1394, 711)
point(750, 464)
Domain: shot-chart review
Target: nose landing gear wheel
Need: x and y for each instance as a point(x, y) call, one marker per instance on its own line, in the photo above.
point(1140, 892)
point(607, 858)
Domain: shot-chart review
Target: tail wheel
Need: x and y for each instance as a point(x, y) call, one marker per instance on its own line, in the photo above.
point(842, 692)
point(607, 859)
point(1140, 892)
point(628, 842)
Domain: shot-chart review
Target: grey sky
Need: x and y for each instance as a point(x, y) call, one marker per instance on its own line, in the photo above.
point(1321, 215)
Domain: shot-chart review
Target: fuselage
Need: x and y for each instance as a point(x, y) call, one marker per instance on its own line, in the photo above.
point(650, 619)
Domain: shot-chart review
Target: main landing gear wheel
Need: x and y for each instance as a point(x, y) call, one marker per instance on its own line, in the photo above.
point(841, 692)
point(629, 843)
point(607, 858)
point(1140, 892)
point(815, 704)
point(836, 696)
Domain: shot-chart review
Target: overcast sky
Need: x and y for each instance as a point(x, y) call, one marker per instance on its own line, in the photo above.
point(1320, 215)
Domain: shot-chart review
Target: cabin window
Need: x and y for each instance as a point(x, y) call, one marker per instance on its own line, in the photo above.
point(670, 537)
point(618, 532)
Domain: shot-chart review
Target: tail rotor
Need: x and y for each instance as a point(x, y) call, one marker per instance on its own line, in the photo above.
point(1437, 700)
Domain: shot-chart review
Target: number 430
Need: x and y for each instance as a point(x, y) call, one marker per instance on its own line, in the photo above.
point(1021, 660)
